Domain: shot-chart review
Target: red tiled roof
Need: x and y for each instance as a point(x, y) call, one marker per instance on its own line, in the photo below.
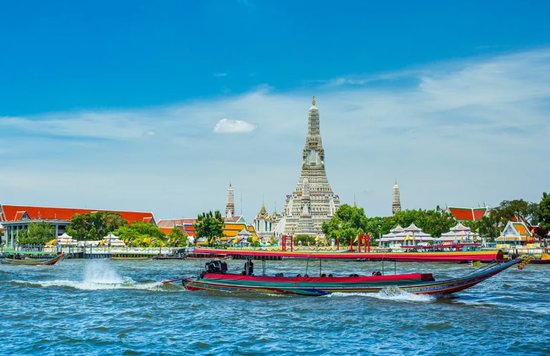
point(189, 230)
point(468, 213)
point(165, 223)
point(16, 212)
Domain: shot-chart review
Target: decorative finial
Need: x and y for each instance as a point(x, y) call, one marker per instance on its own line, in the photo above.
point(313, 101)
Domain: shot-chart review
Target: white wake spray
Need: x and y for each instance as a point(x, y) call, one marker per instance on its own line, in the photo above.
point(390, 293)
point(97, 275)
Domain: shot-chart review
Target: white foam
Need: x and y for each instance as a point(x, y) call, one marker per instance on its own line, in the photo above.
point(390, 293)
point(94, 286)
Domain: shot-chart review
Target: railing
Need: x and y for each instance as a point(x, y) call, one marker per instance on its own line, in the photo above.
point(92, 250)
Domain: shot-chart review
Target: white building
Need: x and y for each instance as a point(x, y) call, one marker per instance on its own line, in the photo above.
point(459, 234)
point(410, 236)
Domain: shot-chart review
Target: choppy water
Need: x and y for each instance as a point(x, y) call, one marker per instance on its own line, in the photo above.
point(120, 307)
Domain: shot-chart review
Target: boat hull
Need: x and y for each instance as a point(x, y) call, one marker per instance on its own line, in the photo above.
point(32, 262)
point(316, 286)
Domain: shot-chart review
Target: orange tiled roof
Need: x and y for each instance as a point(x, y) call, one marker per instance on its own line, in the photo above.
point(232, 229)
point(16, 212)
point(521, 229)
point(468, 213)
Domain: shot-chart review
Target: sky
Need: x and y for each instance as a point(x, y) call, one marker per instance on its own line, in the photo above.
point(158, 106)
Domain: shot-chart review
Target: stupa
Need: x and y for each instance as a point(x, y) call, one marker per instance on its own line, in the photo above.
point(313, 201)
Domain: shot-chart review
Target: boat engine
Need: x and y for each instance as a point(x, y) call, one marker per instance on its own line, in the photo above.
point(215, 266)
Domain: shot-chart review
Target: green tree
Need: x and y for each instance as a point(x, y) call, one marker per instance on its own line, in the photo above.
point(177, 238)
point(142, 234)
point(210, 226)
point(94, 226)
point(377, 226)
point(544, 211)
point(38, 233)
point(510, 209)
point(433, 222)
point(305, 240)
point(488, 226)
point(346, 224)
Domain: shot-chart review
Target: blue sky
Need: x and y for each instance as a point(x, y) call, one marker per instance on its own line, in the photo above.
point(158, 105)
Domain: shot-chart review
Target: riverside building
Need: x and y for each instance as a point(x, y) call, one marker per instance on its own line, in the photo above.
point(16, 218)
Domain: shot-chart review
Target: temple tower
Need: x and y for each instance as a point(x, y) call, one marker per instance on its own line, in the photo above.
point(230, 205)
point(313, 201)
point(396, 201)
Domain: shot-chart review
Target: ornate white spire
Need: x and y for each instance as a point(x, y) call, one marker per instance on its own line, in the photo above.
point(313, 201)
point(230, 205)
point(396, 201)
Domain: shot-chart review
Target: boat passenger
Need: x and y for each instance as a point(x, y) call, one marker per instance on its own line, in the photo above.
point(249, 267)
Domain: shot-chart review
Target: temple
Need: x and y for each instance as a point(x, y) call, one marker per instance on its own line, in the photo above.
point(313, 201)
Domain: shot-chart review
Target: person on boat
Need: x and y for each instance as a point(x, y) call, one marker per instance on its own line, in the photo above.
point(249, 267)
point(223, 267)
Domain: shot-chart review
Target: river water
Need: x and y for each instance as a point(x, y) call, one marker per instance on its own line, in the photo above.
point(120, 307)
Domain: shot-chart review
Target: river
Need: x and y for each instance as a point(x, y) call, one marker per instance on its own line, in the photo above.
point(120, 307)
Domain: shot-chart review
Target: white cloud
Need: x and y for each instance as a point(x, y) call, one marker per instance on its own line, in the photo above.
point(227, 126)
point(460, 133)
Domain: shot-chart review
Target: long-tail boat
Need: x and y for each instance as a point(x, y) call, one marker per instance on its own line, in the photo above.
point(216, 279)
point(32, 261)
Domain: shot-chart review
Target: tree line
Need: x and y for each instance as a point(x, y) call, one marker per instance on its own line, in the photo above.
point(350, 221)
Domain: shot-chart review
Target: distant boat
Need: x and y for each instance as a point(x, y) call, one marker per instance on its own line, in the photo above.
point(32, 261)
point(543, 259)
point(215, 279)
